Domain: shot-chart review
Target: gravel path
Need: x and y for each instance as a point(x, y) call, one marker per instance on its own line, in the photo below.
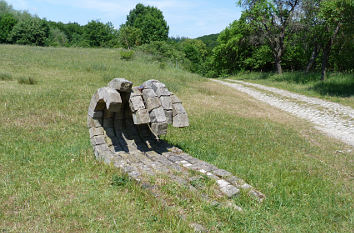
point(333, 119)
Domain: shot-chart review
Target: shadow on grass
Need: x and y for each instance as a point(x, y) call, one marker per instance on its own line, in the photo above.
point(340, 87)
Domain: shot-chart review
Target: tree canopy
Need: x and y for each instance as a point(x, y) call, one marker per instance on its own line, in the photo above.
point(150, 21)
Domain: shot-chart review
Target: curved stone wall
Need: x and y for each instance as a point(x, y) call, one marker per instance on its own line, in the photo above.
point(124, 124)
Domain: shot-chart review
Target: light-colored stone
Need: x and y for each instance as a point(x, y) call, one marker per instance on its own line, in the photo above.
point(166, 102)
point(180, 121)
point(157, 115)
point(141, 117)
point(136, 103)
point(175, 99)
point(178, 109)
point(121, 84)
point(169, 117)
point(159, 128)
point(152, 103)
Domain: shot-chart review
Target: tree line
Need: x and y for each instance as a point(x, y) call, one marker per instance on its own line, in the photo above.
point(290, 35)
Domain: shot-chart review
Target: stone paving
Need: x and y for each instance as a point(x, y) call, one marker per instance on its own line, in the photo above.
point(124, 124)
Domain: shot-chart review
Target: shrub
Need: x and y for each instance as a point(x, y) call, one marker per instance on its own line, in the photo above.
point(127, 55)
point(120, 180)
point(27, 81)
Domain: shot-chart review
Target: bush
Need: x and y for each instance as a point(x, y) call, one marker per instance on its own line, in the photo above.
point(27, 81)
point(127, 55)
point(30, 31)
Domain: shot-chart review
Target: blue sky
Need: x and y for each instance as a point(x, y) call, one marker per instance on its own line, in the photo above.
point(191, 18)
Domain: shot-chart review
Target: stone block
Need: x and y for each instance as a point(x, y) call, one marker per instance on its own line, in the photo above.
point(98, 140)
point(166, 102)
point(136, 91)
point(180, 121)
point(93, 123)
point(136, 103)
point(175, 99)
point(141, 117)
point(159, 128)
point(121, 84)
point(221, 173)
point(96, 131)
point(162, 91)
point(169, 116)
point(111, 97)
point(157, 115)
point(230, 190)
point(148, 93)
point(178, 109)
point(152, 103)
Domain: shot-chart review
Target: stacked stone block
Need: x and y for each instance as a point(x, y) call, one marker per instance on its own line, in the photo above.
point(124, 122)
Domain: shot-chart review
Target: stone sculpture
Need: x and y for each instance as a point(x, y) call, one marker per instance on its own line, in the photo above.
point(125, 122)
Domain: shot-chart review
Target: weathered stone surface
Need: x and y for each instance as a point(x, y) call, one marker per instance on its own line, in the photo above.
point(162, 91)
point(230, 190)
point(169, 116)
point(157, 115)
point(152, 103)
point(178, 109)
point(148, 93)
point(180, 121)
point(141, 117)
point(124, 132)
point(221, 173)
point(96, 131)
point(121, 84)
point(159, 128)
point(166, 102)
point(136, 103)
point(111, 97)
point(175, 99)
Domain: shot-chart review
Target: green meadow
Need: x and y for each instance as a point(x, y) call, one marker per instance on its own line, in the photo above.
point(51, 182)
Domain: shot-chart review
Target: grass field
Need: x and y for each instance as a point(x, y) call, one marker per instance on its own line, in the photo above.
point(50, 181)
point(338, 87)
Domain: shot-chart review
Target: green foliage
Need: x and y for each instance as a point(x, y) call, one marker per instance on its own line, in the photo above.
point(129, 37)
point(7, 22)
point(57, 38)
point(98, 34)
point(127, 55)
point(196, 52)
point(30, 31)
point(211, 41)
point(163, 51)
point(150, 21)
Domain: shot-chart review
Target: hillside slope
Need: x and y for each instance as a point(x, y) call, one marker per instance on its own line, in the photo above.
point(50, 181)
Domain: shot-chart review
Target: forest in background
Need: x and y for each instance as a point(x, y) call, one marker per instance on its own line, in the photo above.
point(271, 35)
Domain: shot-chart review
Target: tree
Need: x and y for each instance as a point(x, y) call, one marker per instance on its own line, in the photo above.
point(150, 21)
point(129, 37)
point(336, 15)
point(196, 51)
point(30, 31)
point(7, 22)
point(98, 34)
point(271, 20)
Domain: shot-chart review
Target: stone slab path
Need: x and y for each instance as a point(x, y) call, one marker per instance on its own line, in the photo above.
point(333, 119)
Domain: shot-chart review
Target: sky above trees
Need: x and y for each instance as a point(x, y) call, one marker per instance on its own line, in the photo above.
point(185, 17)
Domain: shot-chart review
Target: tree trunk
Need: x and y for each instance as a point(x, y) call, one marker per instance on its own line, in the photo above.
point(312, 58)
point(278, 66)
point(326, 52)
